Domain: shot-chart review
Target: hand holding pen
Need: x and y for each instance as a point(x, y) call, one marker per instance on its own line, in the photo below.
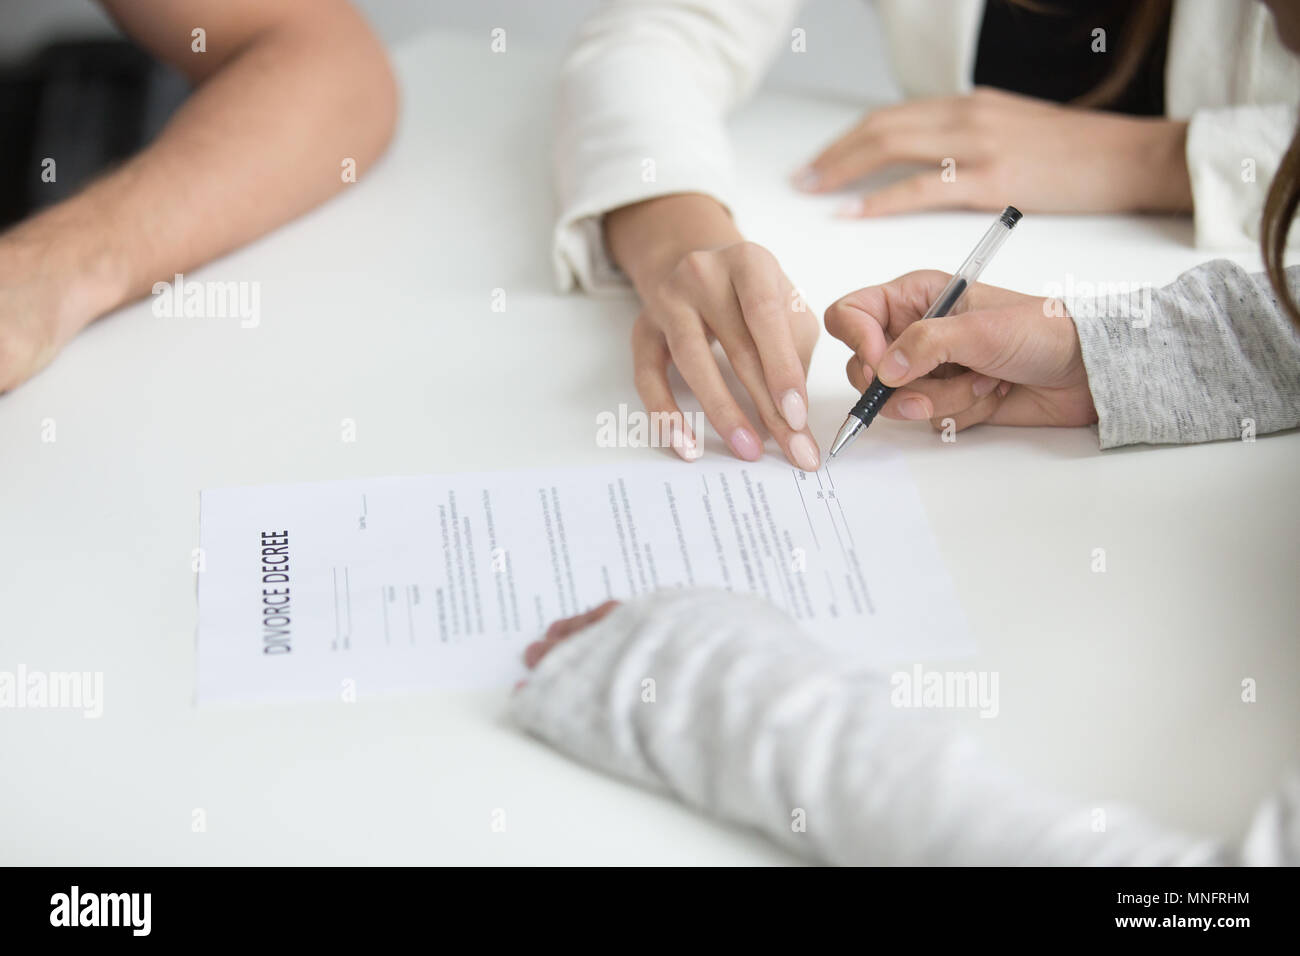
point(1016, 357)
point(877, 393)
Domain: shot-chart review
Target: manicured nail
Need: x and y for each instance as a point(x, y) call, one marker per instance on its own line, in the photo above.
point(912, 408)
point(804, 452)
point(983, 385)
point(685, 446)
point(849, 210)
point(794, 410)
point(806, 179)
point(894, 365)
point(746, 444)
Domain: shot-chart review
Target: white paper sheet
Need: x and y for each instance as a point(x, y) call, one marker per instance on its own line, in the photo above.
point(360, 587)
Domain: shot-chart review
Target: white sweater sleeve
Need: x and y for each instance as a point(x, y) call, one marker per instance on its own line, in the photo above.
point(720, 700)
point(1231, 77)
point(1232, 154)
point(642, 102)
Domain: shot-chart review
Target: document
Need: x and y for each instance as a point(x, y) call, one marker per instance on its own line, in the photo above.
point(347, 589)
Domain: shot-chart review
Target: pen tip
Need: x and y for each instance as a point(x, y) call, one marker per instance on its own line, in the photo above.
point(848, 431)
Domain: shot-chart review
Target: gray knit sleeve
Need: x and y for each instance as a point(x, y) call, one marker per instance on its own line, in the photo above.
point(725, 702)
point(1210, 356)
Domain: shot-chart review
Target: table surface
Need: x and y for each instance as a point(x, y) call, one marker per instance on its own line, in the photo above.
point(1122, 686)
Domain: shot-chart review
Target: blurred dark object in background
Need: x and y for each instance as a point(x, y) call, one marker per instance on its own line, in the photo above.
point(85, 104)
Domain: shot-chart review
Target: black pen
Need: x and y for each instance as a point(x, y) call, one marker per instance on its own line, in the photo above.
point(877, 393)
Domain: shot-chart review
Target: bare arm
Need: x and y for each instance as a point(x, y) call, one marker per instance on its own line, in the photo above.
point(285, 92)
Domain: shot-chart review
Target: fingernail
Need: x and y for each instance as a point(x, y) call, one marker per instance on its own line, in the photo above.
point(894, 365)
point(685, 446)
point(805, 179)
point(849, 210)
point(913, 408)
point(533, 653)
point(746, 444)
point(794, 410)
point(983, 385)
point(1004, 388)
point(804, 452)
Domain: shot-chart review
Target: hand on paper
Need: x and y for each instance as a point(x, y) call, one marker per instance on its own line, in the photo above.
point(563, 628)
point(699, 281)
point(1004, 358)
point(990, 147)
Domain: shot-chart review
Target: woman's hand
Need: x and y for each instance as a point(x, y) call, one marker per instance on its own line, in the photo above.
point(700, 281)
point(1004, 358)
point(990, 147)
point(565, 627)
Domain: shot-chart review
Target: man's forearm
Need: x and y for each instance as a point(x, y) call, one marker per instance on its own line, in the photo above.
point(261, 140)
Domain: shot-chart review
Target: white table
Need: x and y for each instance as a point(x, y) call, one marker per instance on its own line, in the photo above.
point(376, 308)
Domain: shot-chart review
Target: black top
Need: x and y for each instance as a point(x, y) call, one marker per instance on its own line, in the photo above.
point(1047, 51)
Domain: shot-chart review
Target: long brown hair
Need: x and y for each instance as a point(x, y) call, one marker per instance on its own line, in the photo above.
point(1279, 214)
point(1143, 25)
